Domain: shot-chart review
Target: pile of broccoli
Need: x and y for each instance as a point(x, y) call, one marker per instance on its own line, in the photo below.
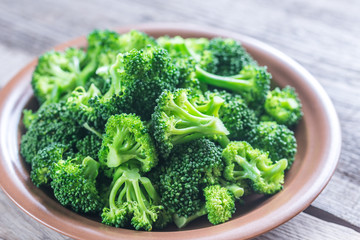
point(146, 132)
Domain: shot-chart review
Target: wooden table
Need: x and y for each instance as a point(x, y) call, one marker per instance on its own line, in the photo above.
point(322, 35)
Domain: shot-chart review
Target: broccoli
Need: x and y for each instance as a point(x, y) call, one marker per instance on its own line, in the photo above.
point(243, 162)
point(127, 141)
point(237, 117)
point(105, 45)
point(89, 146)
point(283, 106)
point(79, 106)
point(51, 125)
point(57, 74)
point(225, 57)
point(149, 71)
point(276, 139)
point(252, 83)
point(28, 117)
point(219, 204)
point(74, 184)
point(176, 120)
point(133, 201)
point(41, 165)
point(103, 84)
point(191, 167)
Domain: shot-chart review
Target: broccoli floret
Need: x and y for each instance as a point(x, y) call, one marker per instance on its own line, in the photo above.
point(225, 57)
point(42, 163)
point(276, 139)
point(80, 109)
point(28, 117)
point(127, 141)
point(89, 146)
point(219, 204)
point(103, 84)
point(252, 83)
point(74, 184)
point(57, 74)
point(176, 120)
point(283, 106)
point(51, 125)
point(105, 45)
point(133, 201)
point(242, 161)
point(149, 70)
point(190, 167)
point(237, 117)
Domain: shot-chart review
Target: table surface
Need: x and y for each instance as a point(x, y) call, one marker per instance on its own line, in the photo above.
point(321, 35)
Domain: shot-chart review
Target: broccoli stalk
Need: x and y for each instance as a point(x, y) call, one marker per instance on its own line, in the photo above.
point(176, 120)
point(244, 162)
point(133, 200)
point(252, 83)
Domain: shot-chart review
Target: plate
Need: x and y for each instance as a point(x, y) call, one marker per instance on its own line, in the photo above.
point(318, 136)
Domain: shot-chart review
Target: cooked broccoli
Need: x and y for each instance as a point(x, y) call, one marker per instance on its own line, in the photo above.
point(237, 117)
point(133, 201)
point(28, 117)
point(105, 45)
point(242, 162)
point(225, 57)
point(89, 145)
point(176, 120)
point(219, 204)
point(127, 141)
point(190, 167)
point(74, 184)
point(150, 71)
point(51, 125)
point(283, 106)
point(41, 165)
point(276, 139)
point(57, 74)
point(80, 109)
point(252, 83)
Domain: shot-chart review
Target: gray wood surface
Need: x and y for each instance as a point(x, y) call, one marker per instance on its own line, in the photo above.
point(321, 35)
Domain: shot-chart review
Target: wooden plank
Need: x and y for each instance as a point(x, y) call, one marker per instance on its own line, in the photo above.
point(17, 225)
point(11, 61)
point(307, 227)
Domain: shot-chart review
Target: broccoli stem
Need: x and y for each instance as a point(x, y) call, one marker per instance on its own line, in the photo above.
point(182, 221)
point(237, 83)
point(249, 171)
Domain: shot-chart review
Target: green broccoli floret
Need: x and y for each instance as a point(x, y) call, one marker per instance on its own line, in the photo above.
point(74, 184)
point(89, 145)
point(127, 141)
point(51, 125)
point(276, 139)
point(219, 204)
point(283, 106)
point(149, 70)
point(242, 162)
point(57, 74)
point(103, 84)
point(190, 167)
point(252, 83)
point(28, 117)
point(105, 45)
point(237, 117)
point(176, 120)
point(42, 163)
point(225, 57)
point(80, 109)
point(133, 201)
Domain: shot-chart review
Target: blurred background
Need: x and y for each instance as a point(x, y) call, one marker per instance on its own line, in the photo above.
point(322, 35)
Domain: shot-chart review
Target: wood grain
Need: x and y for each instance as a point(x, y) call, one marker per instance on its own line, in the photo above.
point(321, 35)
